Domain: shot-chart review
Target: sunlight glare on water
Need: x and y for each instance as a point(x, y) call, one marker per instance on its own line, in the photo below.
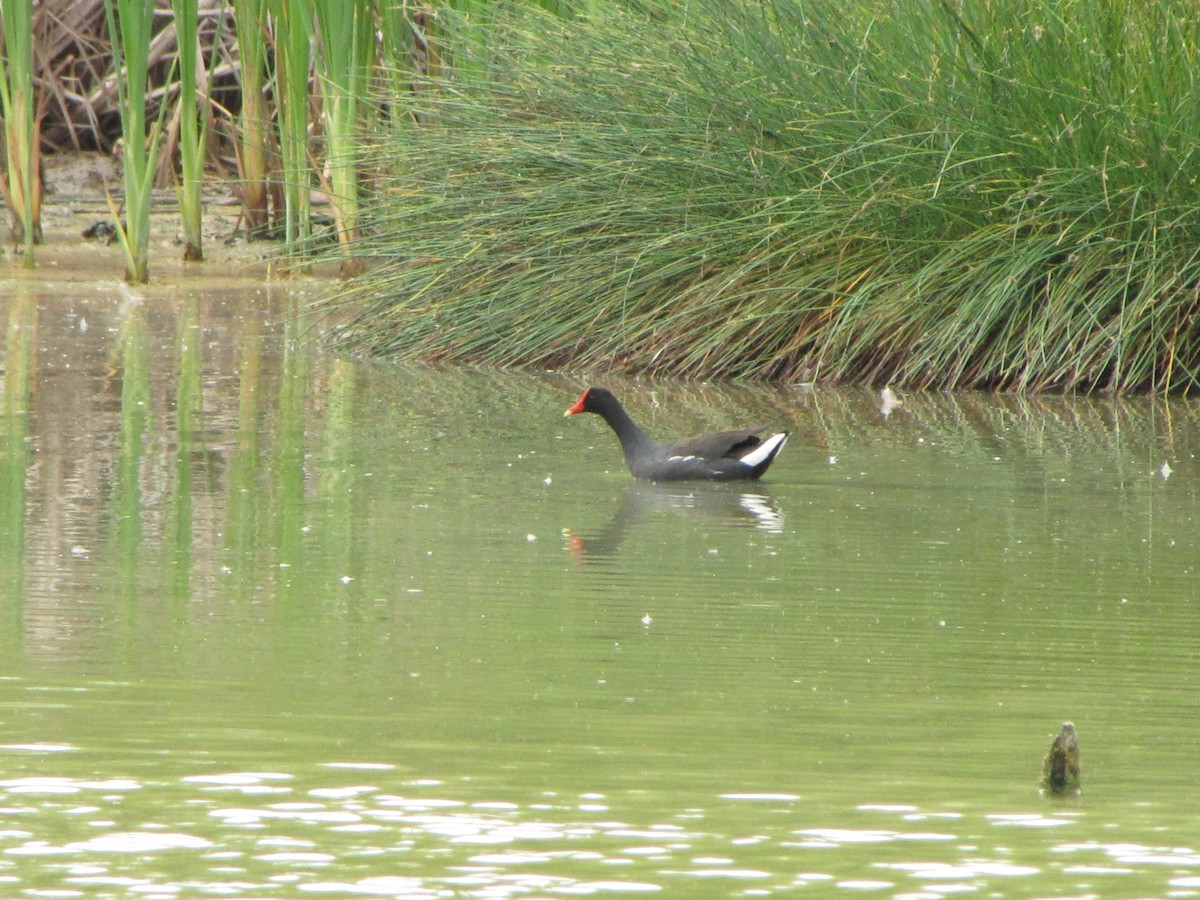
point(276, 624)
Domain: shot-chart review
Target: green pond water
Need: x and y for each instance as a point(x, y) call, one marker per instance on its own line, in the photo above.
point(275, 624)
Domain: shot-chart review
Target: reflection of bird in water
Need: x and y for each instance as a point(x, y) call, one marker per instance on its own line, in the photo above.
point(1060, 771)
point(715, 503)
point(766, 516)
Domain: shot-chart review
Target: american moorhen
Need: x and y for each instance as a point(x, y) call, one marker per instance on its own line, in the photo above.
point(723, 456)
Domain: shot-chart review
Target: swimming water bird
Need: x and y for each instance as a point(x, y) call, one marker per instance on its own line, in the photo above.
point(723, 456)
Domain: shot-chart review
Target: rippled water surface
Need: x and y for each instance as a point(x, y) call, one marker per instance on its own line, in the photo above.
point(274, 624)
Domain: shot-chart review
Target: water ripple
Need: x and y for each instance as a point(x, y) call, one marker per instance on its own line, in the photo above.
point(56, 785)
point(969, 869)
point(497, 848)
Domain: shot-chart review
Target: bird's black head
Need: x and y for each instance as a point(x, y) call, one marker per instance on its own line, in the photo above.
point(593, 400)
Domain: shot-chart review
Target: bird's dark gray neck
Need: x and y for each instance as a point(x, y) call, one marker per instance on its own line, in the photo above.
point(634, 441)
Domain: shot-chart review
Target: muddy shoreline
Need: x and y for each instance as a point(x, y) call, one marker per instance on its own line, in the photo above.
point(75, 199)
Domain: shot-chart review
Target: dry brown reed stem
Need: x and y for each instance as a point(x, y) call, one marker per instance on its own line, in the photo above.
point(74, 69)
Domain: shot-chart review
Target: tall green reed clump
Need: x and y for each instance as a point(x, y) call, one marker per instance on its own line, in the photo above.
point(254, 120)
point(129, 25)
point(291, 22)
point(1002, 195)
point(18, 102)
point(346, 53)
point(193, 119)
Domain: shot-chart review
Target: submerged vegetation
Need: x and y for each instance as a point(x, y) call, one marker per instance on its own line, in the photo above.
point(1000, 195)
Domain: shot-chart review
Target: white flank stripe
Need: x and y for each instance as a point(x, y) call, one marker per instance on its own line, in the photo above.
point(680, 458)
point(765, 449)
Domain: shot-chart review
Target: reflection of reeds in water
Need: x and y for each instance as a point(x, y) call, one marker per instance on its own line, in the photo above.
point(1049, 426)
point(174, 436)
point(19, 345)
point(20, 337)
point(243, 508)
point(136, 424)
point(189, 429)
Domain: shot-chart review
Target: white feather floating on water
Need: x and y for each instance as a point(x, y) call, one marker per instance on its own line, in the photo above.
point(889, 402)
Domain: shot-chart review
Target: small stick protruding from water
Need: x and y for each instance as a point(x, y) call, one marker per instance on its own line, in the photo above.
point(1060, 770)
